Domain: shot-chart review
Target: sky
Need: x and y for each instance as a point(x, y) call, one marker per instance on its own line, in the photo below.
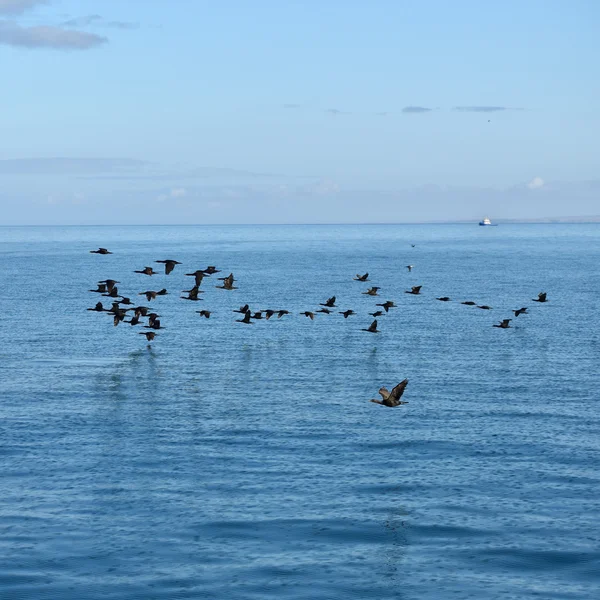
point(297, 111)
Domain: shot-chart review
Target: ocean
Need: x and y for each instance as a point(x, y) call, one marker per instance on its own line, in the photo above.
point(226, 460)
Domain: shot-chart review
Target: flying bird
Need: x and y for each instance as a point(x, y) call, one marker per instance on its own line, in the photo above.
point(204, 313)
point(410, 267)
point(469, 303)
point(101, 289)
point(324, 310)
point(199, 275)
point(521, 311)
point(377, 313)
point(485, 307)
point(227, 283)
point(372, 291)
point(541, 297)
point(504, 324)
point(149, 335)
point(246, 319)
point(416, 289)
point(100, 251)
point(347, 313)
point(97, 308)
point(243, 309)
point(192, 294)
point(387, 305)
point(147, 271)
point(364, 277)
point(308, 314)
point(392, 398)
point(330, 303)
point(444, 299)
point(169, 264)
point(372, 328)
point(109, 283)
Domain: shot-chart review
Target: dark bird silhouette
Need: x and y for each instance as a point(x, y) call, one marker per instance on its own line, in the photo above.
point(98, 307)
point(469, 303)
point(162, 292)
point(521, 311)
point(101, 289)
point(347, 313)
point(485, 307)
point(409, 267)
point(141, 311)
point(154, 324)
point(308, 314)
point(210, 270)
point(372, 328)
point(199, 276)
point(377, 313)
point(149, 334)
point(324, 310)
point(281, 313)
point(330, 302)
point(364, 277)
point(412, 245)
point(230, 276)
point(192, 294)
point(416, 290)
point(541, 297)
point(147, 271)
point(444, 299)
point(243, 309)
point(113, 293)
point(109, 283)
point(134, 320)
point(118, 317)
point(392, 398)
point(372, 291)
point(152, 318)
point(169, 264)
point(227, 283)
point(204, 313)
point(125, 300)
point(100, 251)
point(246, 319)
point(150, 295)
point(504, 324)
point(269, 313)
point(257, 315)
point(387, 305)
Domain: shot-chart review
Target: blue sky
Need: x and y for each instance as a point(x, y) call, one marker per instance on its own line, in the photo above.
point(287, 111)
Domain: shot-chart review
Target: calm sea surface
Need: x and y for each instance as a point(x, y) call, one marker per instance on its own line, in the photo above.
point(246, 462)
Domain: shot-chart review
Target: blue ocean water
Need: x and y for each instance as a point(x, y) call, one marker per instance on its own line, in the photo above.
point(235, 461)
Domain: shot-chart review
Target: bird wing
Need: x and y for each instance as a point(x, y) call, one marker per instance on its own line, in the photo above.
point(373, 326)
point(399, 390)
point(169, 266)
point(384, 393)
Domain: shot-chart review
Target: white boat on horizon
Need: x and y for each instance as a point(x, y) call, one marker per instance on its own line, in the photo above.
point(486, 223)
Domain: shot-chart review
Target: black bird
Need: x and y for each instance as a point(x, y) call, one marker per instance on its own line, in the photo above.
point(125, 300)
point(324, 311)
point(372, 291)
point(154, 324)
point(444, 299)
point(387, 305)
point(246, 319)
point(504, 324)
point(147, 271)
point(227, 283)
point(109, 283)
point(149, 335)
point(192, 294)
point(243, 309)
point(364, 277)
point(150, 295)
point(210, 270)
point(308, 314)
point(372, 327)
point(134, 320)
point(330, 302)
point(541, 297)
point(141, 311)
point(101, 289)
point(119, 316)
point(469, 303)
point(169, 264)
point(204, 313)
point(409, 267)
point(413, 245)
point(257, 315)
point(377, 313)
point(281, 313)
point(392, 398)
point(416, 289)
point(347, 313)
point(113, 293)
point(199, 275)
point(152, 318)
point(162, 292)
point(521, 311)
point(98, 307)
point(269, 313)
point(485, 307)
point(100, 251)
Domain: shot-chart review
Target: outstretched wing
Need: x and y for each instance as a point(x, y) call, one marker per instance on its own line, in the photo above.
point(384, 393)
point(169, 266)
point(399, 390)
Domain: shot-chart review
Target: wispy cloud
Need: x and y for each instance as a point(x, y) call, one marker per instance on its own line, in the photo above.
point(17, 7)
point(416, 109)
point(484, 109)
point(99, 21)
point(47, 36)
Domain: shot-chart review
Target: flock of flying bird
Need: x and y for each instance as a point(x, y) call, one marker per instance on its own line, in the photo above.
point(121, 305)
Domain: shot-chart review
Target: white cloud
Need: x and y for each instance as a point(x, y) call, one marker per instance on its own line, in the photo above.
point(536, 183)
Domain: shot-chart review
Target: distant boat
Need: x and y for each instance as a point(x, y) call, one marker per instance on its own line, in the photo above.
point(487, 223)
